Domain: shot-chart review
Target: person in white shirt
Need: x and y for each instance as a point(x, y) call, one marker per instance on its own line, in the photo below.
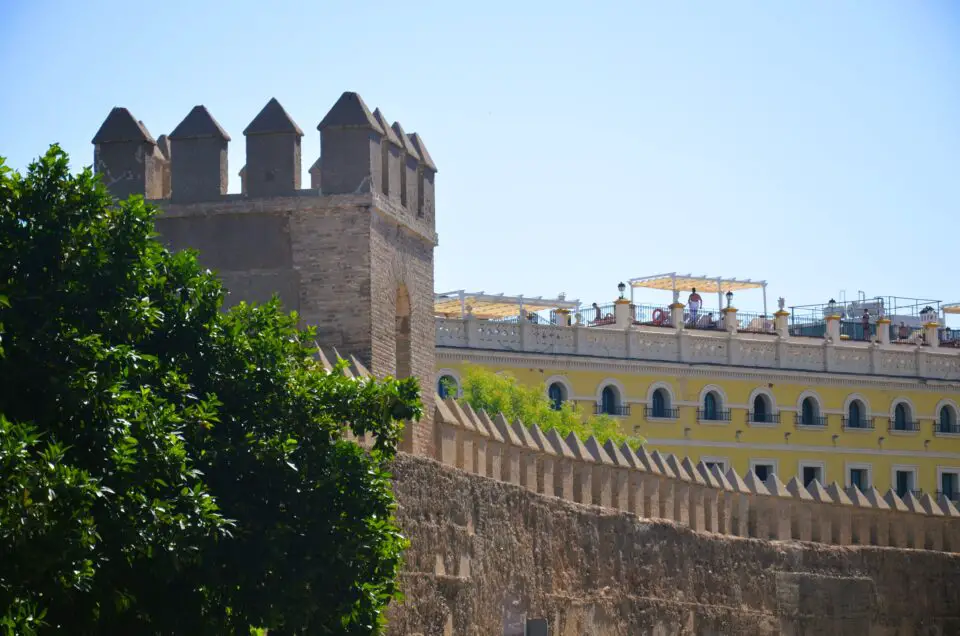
point(694, 302)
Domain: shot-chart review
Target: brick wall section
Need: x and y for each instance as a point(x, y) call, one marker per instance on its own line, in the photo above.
point(337, 259)
point(402, 257)
point(485, 553)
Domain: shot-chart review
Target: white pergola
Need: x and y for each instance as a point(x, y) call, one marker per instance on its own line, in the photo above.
point(675, 283)
point(492, 306)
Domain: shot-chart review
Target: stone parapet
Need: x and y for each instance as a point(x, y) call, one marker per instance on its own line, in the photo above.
point(691, 346)
point(657, 486)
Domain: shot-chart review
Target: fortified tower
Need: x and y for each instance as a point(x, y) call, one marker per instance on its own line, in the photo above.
point(352, 254)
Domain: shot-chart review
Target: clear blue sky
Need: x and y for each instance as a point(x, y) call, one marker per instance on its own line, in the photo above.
point(814, 144)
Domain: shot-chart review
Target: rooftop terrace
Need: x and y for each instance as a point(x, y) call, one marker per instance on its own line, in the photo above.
point(883, 335)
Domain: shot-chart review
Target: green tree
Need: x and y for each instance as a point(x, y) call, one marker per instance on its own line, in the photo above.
point(502, 393)
point(165, 467)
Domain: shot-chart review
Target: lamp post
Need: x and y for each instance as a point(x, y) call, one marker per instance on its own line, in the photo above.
point(729, 299)
point(622, 288)
point(832, 306)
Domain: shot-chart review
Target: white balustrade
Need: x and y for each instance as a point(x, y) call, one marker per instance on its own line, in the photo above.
point(703, 346)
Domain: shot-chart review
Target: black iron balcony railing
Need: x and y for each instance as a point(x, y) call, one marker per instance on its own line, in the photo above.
point(653, 413)
point(815, 421)
point(611, 409)
point(718, 415)
point(952, 495)
point(953, 429)
point(863, 423)
point(763, 418)
point(907, 426)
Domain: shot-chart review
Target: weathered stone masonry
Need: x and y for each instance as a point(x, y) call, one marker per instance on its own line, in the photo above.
point(353, 254)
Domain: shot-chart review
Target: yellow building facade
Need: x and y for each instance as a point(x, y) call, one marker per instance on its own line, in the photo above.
point(859, 413)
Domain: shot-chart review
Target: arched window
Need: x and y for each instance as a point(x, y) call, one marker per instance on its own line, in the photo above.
point(947, 420)
point(808, 412)
point(609, 401)
point(710, 406)
point(557, 395)
point(659, 403)
point(760, 409)
point(900, 417)
point(447, 387)
point(855, 414)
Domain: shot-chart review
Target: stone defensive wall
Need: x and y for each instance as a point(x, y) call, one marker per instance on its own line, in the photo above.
point(519, 532)
point(652, 486)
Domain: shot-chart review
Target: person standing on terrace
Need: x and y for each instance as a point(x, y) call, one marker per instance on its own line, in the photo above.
point(865, 320)
point(694, 302)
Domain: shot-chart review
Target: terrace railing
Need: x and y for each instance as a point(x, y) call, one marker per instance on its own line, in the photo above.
point(907, 426)
point(616, 409)
point(718, 415)
point(754, 323)
point(599, 316)
point(763, 418)
point(816, 421)
point(861, 424)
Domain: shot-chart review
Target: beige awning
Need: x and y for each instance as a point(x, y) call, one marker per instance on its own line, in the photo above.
point(685, 282)
point(484, 305)
point(951, 308)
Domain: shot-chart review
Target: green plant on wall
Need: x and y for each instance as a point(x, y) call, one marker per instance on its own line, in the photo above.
point(502, 393)
point(166, 467)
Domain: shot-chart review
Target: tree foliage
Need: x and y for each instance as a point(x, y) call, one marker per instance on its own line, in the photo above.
point(502, 393)
point(166, 467)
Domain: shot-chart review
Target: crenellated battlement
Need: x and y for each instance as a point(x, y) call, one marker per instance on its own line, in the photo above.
point(360, 153)
point(655, 486)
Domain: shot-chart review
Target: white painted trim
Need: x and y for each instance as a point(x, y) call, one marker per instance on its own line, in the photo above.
point(713, 422)
point(816, 400)
point(847, 466)
point(945, 402)
point(764, 391)
point(766, 461)
point(667, 388)
point(810, 463)
point(618, 387)
point(826, 450)
point(563, 381)
point(953, 470)
point(453, 373)
point(904, 468)
point(724, 461)
point(857, 465)
point(720, 393)
point(911, 410)
point(857, 396)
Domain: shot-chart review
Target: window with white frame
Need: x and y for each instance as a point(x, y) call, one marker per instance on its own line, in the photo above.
point(812, 471)
point(859, 475)
point(948, 483)
point(763, 468)
point(904, 480)
point(762, 410)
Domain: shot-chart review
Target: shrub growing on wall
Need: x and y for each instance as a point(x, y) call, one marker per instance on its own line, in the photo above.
point(502, 393)
point(167, 468)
